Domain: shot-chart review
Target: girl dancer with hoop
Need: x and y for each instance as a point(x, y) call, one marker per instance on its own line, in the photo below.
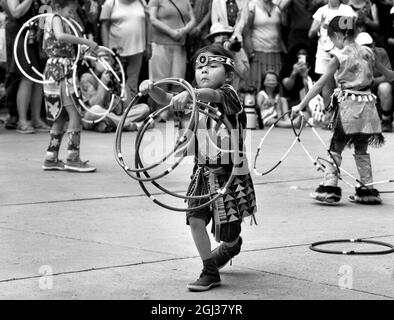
point(355, 120)
point(214, 70)
point(58, 45)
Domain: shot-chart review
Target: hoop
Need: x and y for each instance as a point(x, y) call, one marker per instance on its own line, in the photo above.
point(184, 149)
point(193, 124)
point(214, 196)
point(107, 67)
point(318, 163)
point(314, 245)
point(150, 119)
point(285, 154)
point(27, 24)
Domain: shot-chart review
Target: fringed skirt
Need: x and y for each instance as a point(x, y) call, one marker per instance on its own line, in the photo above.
point(356, 118)
point(59, 93)
point(237, 203)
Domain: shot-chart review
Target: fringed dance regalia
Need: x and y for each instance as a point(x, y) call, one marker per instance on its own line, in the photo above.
point(239, 201)
point(355, 114)
point(355, 122)
point(61, 56)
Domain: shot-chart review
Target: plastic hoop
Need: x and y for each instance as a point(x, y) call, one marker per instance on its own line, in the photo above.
point(214, 196)
point(27, 24)
point(150, 119)
point(314, 245)
point(285, 154)
point(114, 97)
point(319, 165)
point(138, 165)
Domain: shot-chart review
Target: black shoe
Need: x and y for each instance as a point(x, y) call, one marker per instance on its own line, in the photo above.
point(365, 195)
point(11, 123)
point(205, 282)
point(223, 254)
point(327, 194)
point(387, 126)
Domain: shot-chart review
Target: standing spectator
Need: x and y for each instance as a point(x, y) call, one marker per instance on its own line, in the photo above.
point(263, 40)
point(231, 13)
point(12, 77)
point(3, 58)
point(125, 28)
point(388, 33)
point(90, 12)
point(29, 92)
point(202, 14)
point(197, 36)
point(220, 34)
point(385, 23)
point(367, 15)
point(171, 21)
point(321, 19)
point(300, 16)
point(380, 85)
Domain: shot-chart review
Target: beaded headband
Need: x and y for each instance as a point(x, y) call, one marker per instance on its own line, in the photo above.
point(203, 59)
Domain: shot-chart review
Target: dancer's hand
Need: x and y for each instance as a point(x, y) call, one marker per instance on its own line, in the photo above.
point(180, 101)
point(146, 86)
point(295, 110)
point(94, 45)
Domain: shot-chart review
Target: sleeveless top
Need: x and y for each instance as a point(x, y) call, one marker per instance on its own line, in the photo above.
point(355, 67)
point(53, 47)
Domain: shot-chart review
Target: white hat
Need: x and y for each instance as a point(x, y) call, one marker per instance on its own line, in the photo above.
point(363, 38)
point(218, 28)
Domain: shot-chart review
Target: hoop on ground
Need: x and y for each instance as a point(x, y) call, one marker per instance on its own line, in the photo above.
point(314, 247)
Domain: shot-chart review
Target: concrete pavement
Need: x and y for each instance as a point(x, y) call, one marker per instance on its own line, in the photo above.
point(66, 235)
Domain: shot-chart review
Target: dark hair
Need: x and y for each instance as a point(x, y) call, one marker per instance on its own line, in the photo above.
point(342, 24)
point(278, 89)
point(215, 49)
point(64, 3)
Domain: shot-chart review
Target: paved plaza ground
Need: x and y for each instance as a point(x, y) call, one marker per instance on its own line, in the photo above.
point(66, 235)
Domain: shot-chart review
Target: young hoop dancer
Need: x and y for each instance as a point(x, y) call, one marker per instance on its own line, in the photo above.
point(58, 45)
point(355, 120)
point(214, 70)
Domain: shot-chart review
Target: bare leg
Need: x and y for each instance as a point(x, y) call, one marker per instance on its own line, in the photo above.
point(386, 99)
point(200, 237)
point(23, 98)
point(36, 104)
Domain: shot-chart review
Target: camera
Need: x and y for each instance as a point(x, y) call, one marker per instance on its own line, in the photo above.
point(232, 45)
point(302, 58)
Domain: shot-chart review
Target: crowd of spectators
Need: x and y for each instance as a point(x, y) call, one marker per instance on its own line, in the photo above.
point(274, 41)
